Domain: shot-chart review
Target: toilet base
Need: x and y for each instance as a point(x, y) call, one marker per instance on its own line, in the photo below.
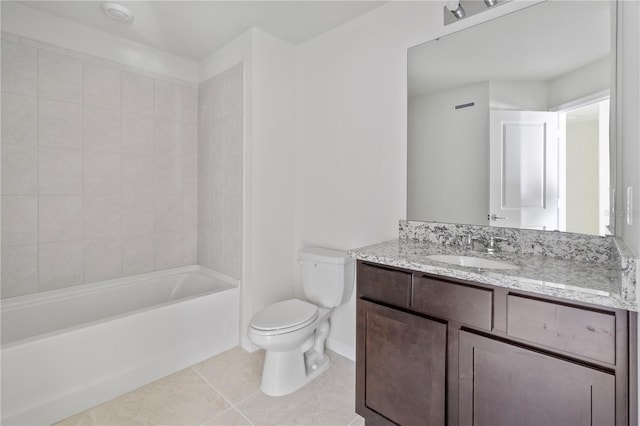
point(286, 372)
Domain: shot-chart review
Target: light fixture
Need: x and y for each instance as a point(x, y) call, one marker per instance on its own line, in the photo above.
point(456, 9)
point(490, 3)
point(117, 12)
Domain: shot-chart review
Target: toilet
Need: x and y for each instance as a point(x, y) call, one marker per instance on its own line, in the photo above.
point(293, 332)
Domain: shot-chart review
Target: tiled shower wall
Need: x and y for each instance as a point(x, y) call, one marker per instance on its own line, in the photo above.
point(220, 156)
point(99, 169)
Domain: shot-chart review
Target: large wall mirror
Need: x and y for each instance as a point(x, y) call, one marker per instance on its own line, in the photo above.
point(508, 121)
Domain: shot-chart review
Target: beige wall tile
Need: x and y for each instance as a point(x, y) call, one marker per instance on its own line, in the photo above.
point(60, 171)
point(189, 105)
point(138, 214)
point(102, 129)
point(60, 124)
point(166, 138)
point(19, 270)
point(19, 220)
point(168, 213)
point(59, 77)
point(19, 119)
point(167, 102)
point(168, 175)
point(137, 133)
point(169, 252)
point(19, 68)
point(19, 170)
point(138, 254)
point(102, 259)
point(102, 172)
point(189, 139)
point(60, 265)
point(101, 86)
point(102, 216)
point(60, 218)
point(189, 175)
point(137, 93)
point(138, 174)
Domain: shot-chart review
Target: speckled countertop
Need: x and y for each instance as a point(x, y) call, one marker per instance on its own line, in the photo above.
point(594, 282)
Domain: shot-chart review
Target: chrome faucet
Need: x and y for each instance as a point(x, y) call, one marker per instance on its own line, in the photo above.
point(489, 245)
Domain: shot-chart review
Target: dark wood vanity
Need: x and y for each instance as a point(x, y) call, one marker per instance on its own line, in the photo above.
point(433, 351)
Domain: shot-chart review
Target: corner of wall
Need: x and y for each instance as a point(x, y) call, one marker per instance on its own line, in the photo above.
point(44, 27)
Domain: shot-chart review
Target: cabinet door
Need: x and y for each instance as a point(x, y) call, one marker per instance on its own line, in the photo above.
point(504, 384)
point(401, 366)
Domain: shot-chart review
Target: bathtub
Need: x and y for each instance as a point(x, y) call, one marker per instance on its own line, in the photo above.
point(67, 350)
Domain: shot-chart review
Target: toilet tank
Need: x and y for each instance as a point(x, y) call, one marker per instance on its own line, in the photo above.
point(327, 275)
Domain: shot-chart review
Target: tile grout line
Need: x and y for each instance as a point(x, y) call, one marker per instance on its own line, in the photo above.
point(232, 405)
point(93, 416)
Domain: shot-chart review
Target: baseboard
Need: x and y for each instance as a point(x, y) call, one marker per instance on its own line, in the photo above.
point(341, 348)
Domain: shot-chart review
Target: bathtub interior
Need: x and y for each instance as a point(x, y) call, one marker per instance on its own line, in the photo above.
point(36, 315)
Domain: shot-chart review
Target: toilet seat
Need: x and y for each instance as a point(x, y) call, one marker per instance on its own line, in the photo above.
point(284, 317)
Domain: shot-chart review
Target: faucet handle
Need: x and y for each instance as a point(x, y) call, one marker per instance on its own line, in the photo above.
point(467, 239)
point(492, 246)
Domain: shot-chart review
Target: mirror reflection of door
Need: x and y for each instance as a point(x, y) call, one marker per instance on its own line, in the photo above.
point(524, 169)
point(550, 170)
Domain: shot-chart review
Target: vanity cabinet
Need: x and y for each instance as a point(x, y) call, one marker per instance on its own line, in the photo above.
point(507, 384)
point(440, 351)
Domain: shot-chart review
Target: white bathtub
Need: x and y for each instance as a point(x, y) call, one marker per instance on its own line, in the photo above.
point(67, 350)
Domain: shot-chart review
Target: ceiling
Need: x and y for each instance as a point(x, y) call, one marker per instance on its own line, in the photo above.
point(539, 43)
point(195, 29)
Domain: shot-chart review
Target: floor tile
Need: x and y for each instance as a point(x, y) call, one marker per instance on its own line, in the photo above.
point(82, 419)
point(231, 417)
point(320, 402)
point(183, 398)
point(236, 373)
point(358, 421)
point(201, 396)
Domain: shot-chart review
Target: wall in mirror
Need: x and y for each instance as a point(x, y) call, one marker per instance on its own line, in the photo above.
point(508, 121)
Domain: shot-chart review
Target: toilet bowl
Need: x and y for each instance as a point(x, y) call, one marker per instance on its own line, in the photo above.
point(294, 348)
point(293, 332)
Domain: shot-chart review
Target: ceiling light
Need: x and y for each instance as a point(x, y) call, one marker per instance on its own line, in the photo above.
point(117, 12)
point(456, 9)
point(490, 3)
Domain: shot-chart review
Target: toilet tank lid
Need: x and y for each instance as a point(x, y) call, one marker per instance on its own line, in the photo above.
point(325, 255)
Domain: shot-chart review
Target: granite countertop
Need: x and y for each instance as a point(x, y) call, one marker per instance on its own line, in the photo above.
point(598, 283)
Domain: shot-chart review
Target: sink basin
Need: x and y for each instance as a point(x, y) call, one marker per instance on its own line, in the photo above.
point(472, 262)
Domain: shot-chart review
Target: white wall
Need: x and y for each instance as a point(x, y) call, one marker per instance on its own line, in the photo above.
point(519, 95)
point(585, 81)
point(31, 23)
point(271, 163)
point(269, 117)
point(628, 126)
point(582, 160)
point(350, 160)
point(447, 148)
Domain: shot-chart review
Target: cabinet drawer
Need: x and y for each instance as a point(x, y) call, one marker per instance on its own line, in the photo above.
point(571, 329)
point(453, 301)
point(385, 285)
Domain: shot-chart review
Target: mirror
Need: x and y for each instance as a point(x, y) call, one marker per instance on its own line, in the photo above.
point(508, 121)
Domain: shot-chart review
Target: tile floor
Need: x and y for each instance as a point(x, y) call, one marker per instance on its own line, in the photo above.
point(224, 390)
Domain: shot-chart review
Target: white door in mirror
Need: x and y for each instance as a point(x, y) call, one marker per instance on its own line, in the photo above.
point(524, 169)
